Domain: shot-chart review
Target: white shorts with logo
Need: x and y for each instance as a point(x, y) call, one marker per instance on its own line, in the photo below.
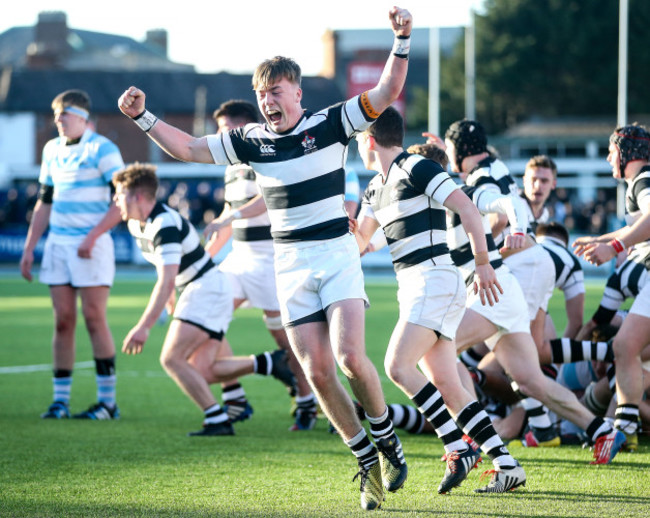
point(535, 271)
point(206, 302)
point(509, 315)
point(432, 297)
point(641, 304)
point(312, 275)
point(252, 277)
point(62, 266)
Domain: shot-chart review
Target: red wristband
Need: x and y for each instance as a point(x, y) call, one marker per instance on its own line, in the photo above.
point(616, 245)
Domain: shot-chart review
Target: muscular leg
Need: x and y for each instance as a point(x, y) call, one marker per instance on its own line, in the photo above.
point(408, 344)
point(311, 345)
point(180, 343)
point(281, 338)
point(213, 359)
point(93, 305)
point(518, 355)
point(630, 340)
point(64, 303)
point(347, 336)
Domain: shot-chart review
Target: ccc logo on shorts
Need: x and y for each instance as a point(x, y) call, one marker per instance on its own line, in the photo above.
point(267, 149)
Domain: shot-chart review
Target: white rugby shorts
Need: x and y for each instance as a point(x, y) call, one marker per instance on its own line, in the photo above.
point(641, 304)
point(62, 266)
point(535, 271)
point(252, 277)
point(312, 275)
point(509, 315)
point(206, 302)
point(432, 297)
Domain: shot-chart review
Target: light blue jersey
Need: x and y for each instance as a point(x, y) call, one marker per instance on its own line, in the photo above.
point(80, 175)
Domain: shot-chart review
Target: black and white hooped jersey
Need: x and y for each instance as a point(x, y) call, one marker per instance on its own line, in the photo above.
point(492, 173)
point(637, 200)
point(408, 204)
point(240, 188)
point(301, 172)
point(459, 244)
point(168, 238)
point(532, 220)
point(569, 276)
point(626, 282)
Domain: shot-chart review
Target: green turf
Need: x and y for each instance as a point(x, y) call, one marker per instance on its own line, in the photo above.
point(144, 465)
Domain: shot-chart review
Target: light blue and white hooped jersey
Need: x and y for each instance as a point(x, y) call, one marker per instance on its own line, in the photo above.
point(80, 175)
point(301, 172)
point(408, 204)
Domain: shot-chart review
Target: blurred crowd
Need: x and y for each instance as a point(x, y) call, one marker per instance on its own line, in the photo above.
point(201, 200)
point(198, 200)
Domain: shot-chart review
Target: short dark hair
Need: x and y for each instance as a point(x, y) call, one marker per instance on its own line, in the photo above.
point(71, 98)
point(273, 70)
point(540, 161)
point(388, 129)
point(237, 109)
point(553, 229)
point(138, 177)
point(430, 151)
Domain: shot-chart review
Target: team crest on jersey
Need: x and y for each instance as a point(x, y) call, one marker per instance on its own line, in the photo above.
point(309, 143)
point(267, 150)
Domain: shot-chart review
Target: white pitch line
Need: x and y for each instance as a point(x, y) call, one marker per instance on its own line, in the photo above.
point(21, 369)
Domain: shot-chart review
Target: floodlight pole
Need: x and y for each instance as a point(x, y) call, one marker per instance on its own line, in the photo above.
point(470, 69)
point(434, 80)
point(621, 118)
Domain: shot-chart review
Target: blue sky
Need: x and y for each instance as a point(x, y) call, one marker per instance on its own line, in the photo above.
point(213, 37)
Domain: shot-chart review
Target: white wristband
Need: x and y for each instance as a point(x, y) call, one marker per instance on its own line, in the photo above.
point(401, 46)
point(235, 215)
point(146, 120)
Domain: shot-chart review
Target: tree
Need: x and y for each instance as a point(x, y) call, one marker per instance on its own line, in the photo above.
point(552, 58)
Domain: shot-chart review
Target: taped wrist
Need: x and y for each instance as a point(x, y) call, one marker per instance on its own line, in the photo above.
point(401, 47)
point(146, 120)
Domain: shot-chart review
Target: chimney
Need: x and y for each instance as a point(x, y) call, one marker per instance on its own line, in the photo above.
point(157, 39)
point(50, 47)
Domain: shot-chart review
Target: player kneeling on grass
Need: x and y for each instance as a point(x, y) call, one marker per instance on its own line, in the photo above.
point(204, 307)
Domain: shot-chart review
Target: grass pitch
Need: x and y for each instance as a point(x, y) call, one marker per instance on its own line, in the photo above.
point(145, 465)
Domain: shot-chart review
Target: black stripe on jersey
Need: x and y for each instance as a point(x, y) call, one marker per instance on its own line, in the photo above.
point(280, 148)
point(326, 230)
point(603, 316)
point(422, 221)
point(303, 193)
point(205, 268)
point(419, 256)
point(558, 262)
point(191, 258)
point(638, 186)
point(464, 255)
point(156, 211)
point(252, 233)
point(238, 203)
point(633, 279)
point(168, 235)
